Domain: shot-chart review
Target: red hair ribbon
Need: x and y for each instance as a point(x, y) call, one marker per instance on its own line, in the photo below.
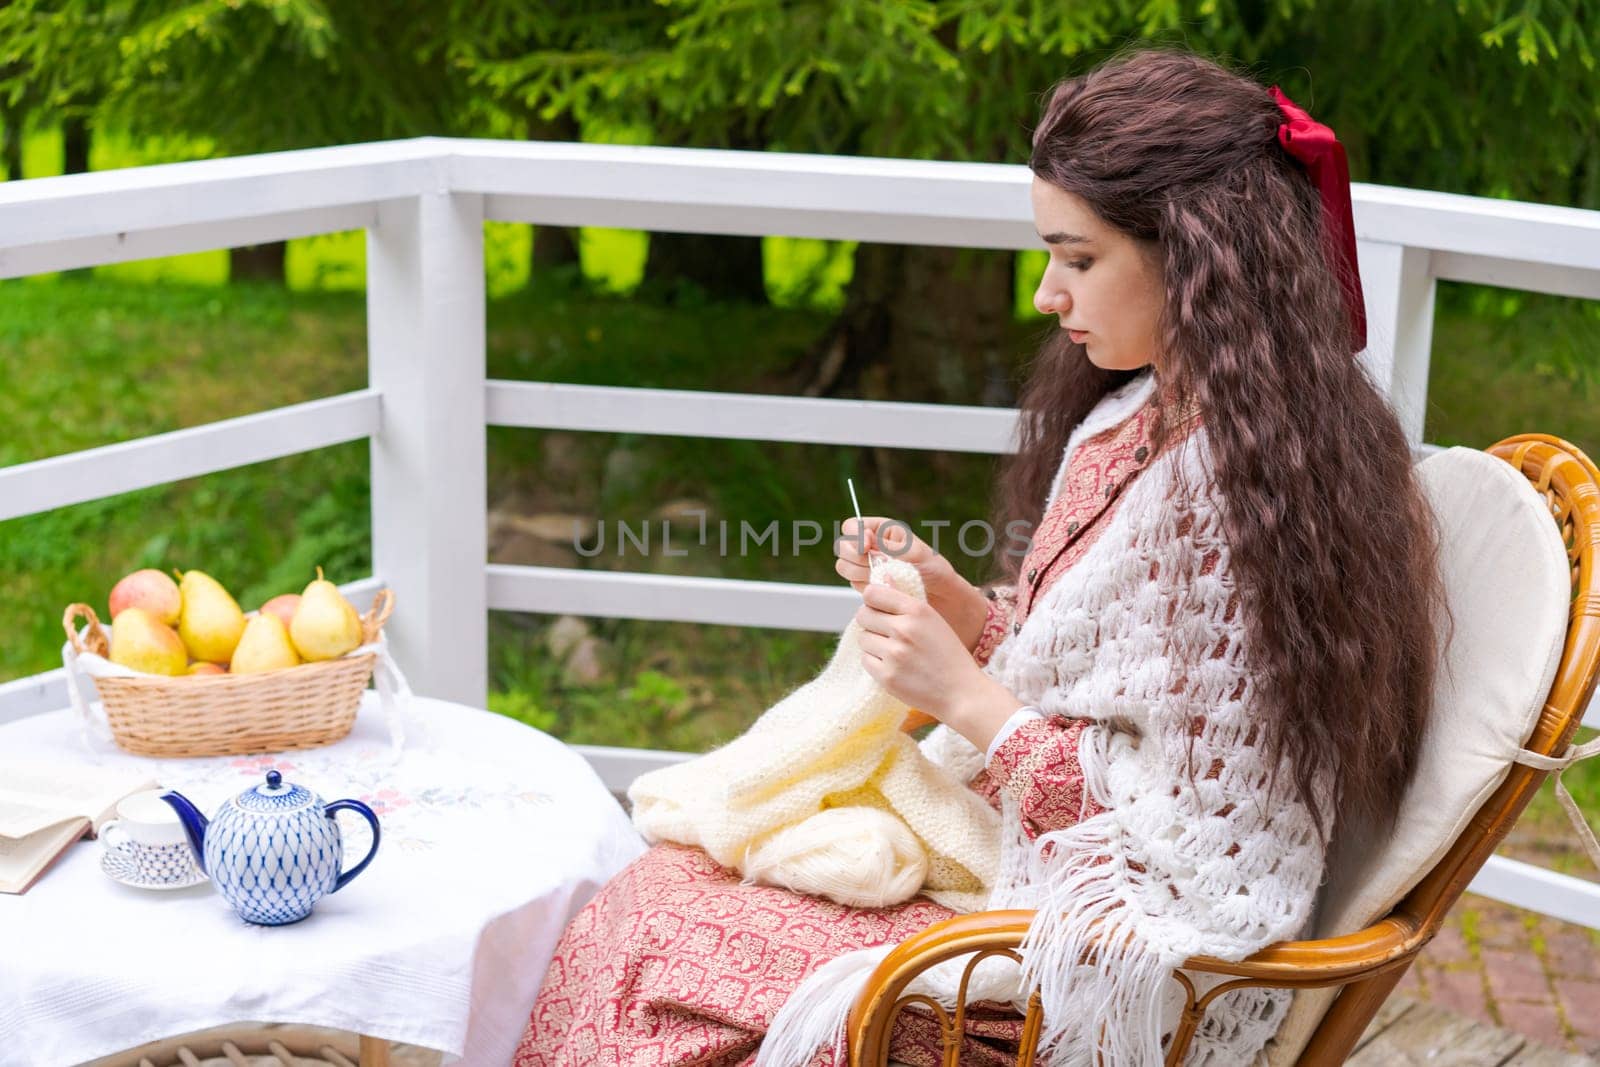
point(1319, 151)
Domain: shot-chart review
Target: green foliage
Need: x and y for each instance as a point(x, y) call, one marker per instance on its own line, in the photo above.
point(1494, 97)
point(234, 76)
point(1436, 94)
point(524, 707)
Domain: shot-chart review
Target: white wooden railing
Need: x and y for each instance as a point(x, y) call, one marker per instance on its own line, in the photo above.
point(423, 203)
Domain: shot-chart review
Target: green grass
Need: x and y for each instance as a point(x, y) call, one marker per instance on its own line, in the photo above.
point(101, 361)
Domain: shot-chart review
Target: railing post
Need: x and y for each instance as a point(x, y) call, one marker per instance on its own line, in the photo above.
point(425, 353)
point(1399, 287)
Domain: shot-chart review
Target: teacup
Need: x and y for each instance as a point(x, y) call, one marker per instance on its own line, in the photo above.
point(147, 834)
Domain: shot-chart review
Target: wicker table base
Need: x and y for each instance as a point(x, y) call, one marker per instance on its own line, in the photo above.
point(272, 1045)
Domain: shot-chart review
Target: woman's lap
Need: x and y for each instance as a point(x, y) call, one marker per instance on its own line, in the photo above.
point(677, 961)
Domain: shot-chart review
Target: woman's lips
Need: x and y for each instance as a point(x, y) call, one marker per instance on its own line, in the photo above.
point(1077, 336)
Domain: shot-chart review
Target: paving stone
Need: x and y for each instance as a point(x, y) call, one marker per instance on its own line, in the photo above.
point(1571, 953)
point(1460, 989)
point(1515, 975)
point(1536, 1020)
point(1580, 999)
point(1500, 926)
point(1447, 946)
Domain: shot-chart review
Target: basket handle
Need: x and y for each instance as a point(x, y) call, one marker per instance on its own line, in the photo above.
point(372, 622)
point(94, 638)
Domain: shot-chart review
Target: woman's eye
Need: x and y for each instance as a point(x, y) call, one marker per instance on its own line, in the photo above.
point(1080, 264)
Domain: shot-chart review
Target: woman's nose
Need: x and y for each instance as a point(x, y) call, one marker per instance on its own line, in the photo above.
point(1048, 300)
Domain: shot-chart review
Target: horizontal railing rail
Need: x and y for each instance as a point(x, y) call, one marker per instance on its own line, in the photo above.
point(423, 204)
point(96, 473)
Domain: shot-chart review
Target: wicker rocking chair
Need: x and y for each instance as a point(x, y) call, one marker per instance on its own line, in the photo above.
point(1367, 941)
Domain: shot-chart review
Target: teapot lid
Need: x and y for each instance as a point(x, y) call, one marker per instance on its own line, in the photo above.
point(275, 796)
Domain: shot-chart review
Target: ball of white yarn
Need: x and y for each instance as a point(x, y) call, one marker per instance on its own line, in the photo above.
point(860, 856)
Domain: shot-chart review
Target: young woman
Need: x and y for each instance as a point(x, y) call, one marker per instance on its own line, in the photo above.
point(1217, 648)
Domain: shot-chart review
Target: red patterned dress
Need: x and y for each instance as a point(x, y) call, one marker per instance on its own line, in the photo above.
point(676, 961)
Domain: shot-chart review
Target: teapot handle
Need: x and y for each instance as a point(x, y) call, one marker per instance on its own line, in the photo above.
point(366, 813)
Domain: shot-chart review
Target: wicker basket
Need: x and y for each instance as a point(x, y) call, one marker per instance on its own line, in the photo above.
point(233, 714)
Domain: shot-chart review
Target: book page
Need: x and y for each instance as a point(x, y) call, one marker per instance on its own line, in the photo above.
point(22, 861)
point(21, 817)
point(34, 795)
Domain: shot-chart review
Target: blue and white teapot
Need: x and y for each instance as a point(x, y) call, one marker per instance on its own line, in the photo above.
point(274, 850)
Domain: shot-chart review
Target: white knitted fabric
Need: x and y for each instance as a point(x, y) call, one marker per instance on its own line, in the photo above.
point(1194, 854)
point(800, 799)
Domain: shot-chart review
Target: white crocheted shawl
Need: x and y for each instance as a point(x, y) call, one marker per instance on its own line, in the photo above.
point(1194, 854)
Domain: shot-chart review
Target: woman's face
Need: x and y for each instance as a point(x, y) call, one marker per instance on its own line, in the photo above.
point(1104, 286)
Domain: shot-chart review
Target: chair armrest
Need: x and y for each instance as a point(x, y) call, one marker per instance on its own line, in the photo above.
point(981, 931)
point(1287, 964)
point(1331, 961)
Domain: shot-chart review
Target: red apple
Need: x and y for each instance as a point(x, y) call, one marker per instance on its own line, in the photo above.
point(150, 590)
point(283, 607)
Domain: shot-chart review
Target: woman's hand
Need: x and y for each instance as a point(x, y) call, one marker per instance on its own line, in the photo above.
point(955, 599)
point(909, 649)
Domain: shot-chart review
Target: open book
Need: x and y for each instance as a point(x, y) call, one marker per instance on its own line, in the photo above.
point(45, 807)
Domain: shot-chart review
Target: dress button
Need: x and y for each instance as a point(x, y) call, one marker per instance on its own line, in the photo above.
point(1033, 573)
point(989, 592)
point(1141, 453)
point(1072, 527)
point(1016, 628)
point(1109, 490)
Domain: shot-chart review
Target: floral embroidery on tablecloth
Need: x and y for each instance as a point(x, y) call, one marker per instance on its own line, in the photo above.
point(406, 794)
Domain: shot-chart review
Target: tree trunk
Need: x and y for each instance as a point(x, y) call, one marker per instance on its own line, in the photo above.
point(75, 160)
point(920, 324)
point(554, 247)
point(949, 338)
point(258, 263)
point(75, 146)
point(718, 266)
point(721, 267)
point(11, 145)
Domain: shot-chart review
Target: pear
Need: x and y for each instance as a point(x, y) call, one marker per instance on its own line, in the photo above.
point(144, 643)
point(211, 623)
point(325, 625)
point(201, 667)
point(264, 647)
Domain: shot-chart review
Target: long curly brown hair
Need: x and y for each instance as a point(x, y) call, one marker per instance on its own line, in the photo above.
point(1333, 547)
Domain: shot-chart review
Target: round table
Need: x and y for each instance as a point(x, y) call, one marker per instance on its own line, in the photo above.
point(494, 835)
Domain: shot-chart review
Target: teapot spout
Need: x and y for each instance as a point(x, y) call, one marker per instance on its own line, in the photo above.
point(194, 825)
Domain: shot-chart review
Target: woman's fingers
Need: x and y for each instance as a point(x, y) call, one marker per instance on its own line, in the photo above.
point(895, 538)
point(892, 537)
point(852, 547)
point(857, 574)
point(858, 538)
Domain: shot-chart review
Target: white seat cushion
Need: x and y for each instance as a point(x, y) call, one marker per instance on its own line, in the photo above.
point(1509, 588)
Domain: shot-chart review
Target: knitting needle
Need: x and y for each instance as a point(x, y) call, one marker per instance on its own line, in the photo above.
point(861, 524)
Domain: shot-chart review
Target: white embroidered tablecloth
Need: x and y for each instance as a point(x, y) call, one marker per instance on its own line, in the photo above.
point(493, 836)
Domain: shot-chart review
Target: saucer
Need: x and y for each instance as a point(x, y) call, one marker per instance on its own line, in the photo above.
point(120, 868)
